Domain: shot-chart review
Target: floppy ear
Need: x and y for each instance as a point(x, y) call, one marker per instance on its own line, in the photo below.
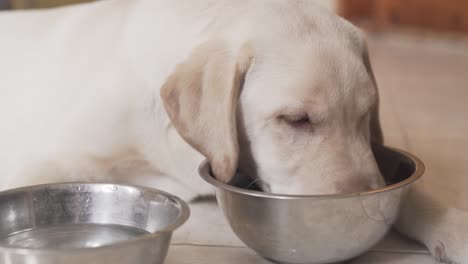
point(376, 130)
point(201, 97)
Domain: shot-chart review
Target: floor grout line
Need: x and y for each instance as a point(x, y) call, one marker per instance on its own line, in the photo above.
point(208, 245)
point(406, 252)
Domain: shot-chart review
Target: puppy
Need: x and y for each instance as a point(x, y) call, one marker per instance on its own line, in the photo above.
point(142, 91)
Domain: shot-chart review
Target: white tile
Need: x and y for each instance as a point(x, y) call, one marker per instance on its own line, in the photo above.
point(424, 90)
point(212, 255)
point(206, 226)
point(396, 243)
point(233, 255)
point(394, 258)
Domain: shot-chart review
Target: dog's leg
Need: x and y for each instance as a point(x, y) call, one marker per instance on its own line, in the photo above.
point(442, 229)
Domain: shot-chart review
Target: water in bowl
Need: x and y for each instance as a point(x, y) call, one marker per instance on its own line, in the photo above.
point(71, 236)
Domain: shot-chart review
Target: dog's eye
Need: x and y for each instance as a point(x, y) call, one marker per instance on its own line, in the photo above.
point(297, 121)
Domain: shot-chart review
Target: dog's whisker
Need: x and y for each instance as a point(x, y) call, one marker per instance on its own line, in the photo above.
point(258, 180)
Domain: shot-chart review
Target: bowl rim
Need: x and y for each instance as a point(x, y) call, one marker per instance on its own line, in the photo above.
point(204, 171)
point(180, 220)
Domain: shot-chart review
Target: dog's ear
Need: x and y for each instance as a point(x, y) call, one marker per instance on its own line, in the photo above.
point(201, 97)
point(375, 128)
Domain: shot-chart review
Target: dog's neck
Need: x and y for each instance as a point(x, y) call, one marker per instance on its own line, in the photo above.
point(153, 52)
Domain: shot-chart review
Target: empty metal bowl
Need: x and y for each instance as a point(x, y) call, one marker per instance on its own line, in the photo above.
point(317, 229)
point(92, 223)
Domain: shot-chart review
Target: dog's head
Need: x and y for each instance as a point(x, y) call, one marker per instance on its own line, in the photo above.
point(299, 114)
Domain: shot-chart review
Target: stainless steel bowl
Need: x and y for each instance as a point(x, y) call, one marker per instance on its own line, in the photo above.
point(93, 223)
point(317, 229)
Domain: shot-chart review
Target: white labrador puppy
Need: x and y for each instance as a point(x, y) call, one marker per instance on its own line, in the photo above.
point(137, 90)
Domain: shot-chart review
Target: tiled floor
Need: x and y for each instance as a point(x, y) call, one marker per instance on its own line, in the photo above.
point(207, 239)
point(424, 90)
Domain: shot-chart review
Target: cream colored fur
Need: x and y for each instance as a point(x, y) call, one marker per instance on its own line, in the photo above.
point(135, 90)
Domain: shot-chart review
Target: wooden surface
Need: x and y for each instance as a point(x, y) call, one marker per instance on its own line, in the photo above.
point(356, 9)
point(439, 15)
point(21, 4)
point(445, 15)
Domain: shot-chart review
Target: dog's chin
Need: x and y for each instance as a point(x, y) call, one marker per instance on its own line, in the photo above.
point(257, 184)
point(243, 181)
point(290, 190)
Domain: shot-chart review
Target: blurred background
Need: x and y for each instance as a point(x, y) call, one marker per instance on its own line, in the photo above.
point(440, 15)
point(20, 4)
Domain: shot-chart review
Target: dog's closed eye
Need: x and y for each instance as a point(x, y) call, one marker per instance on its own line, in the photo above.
point(298, 121)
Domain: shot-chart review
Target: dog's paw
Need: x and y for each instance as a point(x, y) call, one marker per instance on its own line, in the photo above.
point(449, 252)
point(448, 241)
